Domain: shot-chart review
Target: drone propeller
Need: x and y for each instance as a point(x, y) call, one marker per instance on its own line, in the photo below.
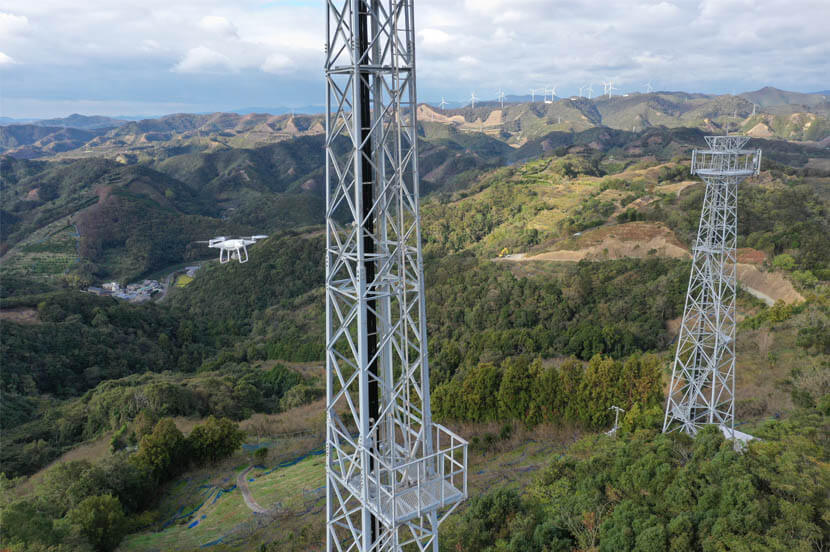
point(259, 237)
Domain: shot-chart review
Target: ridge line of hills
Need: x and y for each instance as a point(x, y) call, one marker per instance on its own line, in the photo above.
point(766, 113)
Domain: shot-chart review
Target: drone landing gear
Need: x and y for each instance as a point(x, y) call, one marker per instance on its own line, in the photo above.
point(239, 252)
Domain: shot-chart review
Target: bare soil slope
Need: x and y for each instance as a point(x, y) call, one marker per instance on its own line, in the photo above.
point(644, 239)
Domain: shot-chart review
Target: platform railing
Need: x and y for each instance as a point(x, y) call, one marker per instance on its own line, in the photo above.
point(423, 480)
point(725, 162)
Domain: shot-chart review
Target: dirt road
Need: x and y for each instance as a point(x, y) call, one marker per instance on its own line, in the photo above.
point(242, 483)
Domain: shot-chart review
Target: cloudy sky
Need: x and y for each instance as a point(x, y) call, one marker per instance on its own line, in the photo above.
point(149, 57)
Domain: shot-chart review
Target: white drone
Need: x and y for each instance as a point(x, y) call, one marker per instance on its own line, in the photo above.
point(233, 248)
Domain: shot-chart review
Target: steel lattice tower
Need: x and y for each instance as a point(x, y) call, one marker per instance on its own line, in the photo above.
point(392, 475)
point(702, 389)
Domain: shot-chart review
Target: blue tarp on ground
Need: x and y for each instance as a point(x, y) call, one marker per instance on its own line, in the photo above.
point(222, 492)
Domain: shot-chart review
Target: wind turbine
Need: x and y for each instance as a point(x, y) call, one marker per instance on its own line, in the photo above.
point(532, 95)
point(443, 103)
point(649, 88)
point(473, 100)
point(608, 86)
point(501, 98)
point(581, 90)
point(552, 94)
point(735, 118)
point(590, 90)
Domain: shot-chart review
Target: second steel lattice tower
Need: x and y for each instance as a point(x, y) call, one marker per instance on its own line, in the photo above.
point(702, 389)
point(391, 474)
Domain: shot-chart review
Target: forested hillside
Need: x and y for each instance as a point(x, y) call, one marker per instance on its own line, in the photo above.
point(555, 277)
point(74, 342)
point(647, 491)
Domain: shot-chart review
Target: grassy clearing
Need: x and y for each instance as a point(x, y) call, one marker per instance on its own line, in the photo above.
point(289, 488)
point(297, 496)
point(206, 509)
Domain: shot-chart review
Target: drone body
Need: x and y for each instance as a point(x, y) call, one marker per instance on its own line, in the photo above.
point(233, 248)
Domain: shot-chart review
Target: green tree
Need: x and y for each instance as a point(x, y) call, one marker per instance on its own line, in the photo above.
point(600, 388)
point(163, 453)
point(299, 395)
point(479, 390)
point(570, 379)
point(144, 423)
point(261, 454)
point(67, 484)
point(483, 523)
point(101, 520)
point(515, 396)
point(24, 523)
point(784, 262)
point(214, 439)
point(546, 400)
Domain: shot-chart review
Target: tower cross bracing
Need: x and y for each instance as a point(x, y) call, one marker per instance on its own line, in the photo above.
point(702, 389)
point(392, 475)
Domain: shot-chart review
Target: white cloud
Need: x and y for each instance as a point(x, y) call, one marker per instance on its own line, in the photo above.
point(37, 108)
point(434, 37)
point(219, 25)
point(204, 60)
point(6, 60)
point(11, 24)
point(150, 45)
point(278, 63)
point(697, 45)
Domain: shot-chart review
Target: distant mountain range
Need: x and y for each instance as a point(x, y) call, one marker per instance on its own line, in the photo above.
point(281, 110)
point(765, 97)
point(765, 113)
point(83, 122)
point(770, 96)
point(88, 122)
